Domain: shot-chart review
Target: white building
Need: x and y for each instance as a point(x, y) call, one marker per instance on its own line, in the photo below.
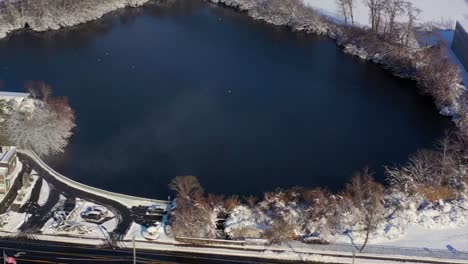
point(8, 165)
point(17, 98)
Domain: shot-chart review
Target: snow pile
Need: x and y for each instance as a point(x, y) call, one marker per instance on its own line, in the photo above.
point(402, 213)
point(145, 233)
point(153, 232)
point(410, 213)
point(24, 193)
point(12, 221)
point(242, 222)
point(44, 193)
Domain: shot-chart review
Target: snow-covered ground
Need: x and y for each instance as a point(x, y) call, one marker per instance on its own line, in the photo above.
point(140, 233)
point(44, 194)
point(431, 10)
point(76, 225)
point(12, 221)
point(439, 238)
point(25, 193)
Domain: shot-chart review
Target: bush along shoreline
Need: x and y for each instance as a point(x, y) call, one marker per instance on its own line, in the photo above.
point(396, 50)
point(53, 15)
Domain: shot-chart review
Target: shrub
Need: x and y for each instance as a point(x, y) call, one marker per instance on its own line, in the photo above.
point(436, 192)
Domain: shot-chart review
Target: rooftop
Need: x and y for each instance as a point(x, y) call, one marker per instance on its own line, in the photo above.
point(6, 153)
point(13, 94)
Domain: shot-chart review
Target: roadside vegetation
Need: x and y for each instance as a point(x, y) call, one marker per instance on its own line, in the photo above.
point(365, 209)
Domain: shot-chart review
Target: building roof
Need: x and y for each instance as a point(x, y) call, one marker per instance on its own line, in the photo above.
point(6, 156)
point(11, 95)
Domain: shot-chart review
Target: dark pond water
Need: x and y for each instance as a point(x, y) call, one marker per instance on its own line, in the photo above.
point(196, 89)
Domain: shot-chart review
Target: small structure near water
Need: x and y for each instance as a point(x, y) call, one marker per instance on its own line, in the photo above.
point(460, 42)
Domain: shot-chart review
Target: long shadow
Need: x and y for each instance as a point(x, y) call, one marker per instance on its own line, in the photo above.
point(122, 213)
point(35, 193)
point(40, 214)
point(13, 192)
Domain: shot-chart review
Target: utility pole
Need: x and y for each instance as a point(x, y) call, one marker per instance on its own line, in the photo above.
point(134, 249)
point(3, 257)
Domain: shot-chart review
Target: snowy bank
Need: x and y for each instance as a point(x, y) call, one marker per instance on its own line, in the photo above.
point(49, 16)
point(126, 200)
point(432, 11)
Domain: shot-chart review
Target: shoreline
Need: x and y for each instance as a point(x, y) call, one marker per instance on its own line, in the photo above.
point(68, 19)
point(320, 25)
point(293, 251)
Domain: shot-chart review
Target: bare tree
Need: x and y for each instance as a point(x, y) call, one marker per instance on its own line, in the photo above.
point(280, 231)
point(366, 195)
point(412, 13)
point(45, 129)
point(346, 8)
point(439, 77)
point(193, 218)
point(186, 187)
point(350, 4)
point(376, 8)
point(393, 9)
point(343, 7)
point(6, 108)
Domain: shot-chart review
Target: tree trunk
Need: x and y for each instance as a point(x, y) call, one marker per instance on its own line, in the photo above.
point(365, 240)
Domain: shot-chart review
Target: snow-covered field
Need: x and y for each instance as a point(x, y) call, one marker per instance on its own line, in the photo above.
point(431, 10)
point(25, 193)
point(11, 221)
point(435, 238)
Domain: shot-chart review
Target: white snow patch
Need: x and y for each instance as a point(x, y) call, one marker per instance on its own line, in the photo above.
point(25, 193)
point(44, 194)
point(140, 233)
point(12, 221)
point(439, 238)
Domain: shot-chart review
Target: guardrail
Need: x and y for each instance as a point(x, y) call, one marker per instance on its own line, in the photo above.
point(127, 200)
point(206, 241)
point(392, 250)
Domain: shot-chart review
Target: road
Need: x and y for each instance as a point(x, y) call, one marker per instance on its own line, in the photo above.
point(122, 213)
point(59, 253)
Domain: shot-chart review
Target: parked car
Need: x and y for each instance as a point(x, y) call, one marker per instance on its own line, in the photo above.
point(156, 209)
point(95, 213)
